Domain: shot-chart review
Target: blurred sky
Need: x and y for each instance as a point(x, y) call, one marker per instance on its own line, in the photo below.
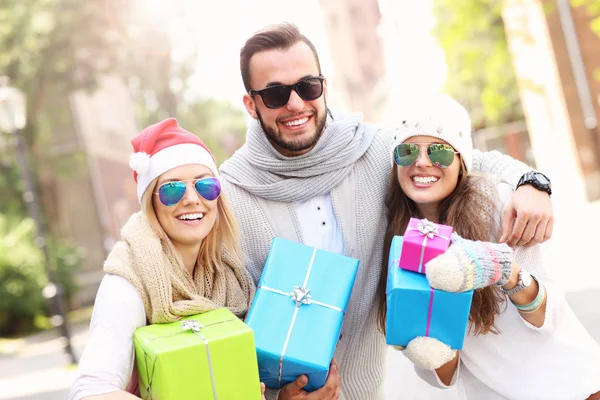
point(218, 29)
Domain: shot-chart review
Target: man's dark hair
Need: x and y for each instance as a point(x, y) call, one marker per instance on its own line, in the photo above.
point(280, 36)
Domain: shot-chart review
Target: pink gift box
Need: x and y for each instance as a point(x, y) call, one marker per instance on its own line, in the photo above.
point(423, 241)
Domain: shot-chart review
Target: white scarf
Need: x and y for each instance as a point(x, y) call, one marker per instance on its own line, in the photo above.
point(260, 169)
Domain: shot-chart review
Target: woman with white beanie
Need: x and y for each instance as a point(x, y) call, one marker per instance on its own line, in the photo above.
point(524, 342)
point(178, 256)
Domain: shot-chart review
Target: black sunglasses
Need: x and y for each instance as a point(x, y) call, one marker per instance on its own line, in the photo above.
point(277, 96)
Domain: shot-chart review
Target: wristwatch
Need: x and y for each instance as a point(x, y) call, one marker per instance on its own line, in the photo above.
point(523, 282)
point(537, 180)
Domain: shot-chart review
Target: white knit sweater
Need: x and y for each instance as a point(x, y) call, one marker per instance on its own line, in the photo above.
point(359, 207)
point(558, 361)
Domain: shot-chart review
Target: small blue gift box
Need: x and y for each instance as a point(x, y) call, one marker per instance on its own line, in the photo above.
point(416, 309)
point(297, 312)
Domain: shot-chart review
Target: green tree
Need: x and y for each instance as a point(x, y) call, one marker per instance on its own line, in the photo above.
point(52, 47)
point(49, 49)
point(593, 9)
point(480, 71)
point(22, 274)
point(212, 120)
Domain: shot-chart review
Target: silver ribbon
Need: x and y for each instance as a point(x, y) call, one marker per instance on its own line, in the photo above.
point(193, 326)
point(196, 326)
point(301, 296)
point(427, 229)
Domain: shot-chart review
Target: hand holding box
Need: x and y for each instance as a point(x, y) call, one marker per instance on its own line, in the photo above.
point(415, 309)
point(298, 310)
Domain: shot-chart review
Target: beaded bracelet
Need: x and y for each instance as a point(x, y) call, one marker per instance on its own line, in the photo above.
point(535, 304)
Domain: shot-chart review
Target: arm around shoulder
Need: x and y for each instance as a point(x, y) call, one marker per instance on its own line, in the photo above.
point(107, 361)
point(504, 167)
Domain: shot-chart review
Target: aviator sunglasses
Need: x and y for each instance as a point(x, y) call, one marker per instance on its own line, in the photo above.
point(171, 193)
point(277, 96)
point(441, 155)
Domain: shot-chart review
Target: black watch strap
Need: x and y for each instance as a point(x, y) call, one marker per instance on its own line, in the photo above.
point(537, 180)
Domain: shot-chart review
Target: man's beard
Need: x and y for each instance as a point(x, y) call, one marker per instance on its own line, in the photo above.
point(295, 146)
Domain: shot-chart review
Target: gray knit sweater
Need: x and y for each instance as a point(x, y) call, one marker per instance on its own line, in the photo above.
point(358, 203)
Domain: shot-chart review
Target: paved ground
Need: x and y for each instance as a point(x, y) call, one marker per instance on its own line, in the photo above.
point(35, 369)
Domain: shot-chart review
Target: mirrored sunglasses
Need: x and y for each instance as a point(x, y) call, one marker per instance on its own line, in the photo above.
point(171, 193)
point(441, 155)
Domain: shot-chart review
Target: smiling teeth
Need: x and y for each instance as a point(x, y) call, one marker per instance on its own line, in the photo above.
point(190, 216)
point(425, 179)
point(296, 122)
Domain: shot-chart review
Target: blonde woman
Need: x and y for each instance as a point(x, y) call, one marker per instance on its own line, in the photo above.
point(179, 256)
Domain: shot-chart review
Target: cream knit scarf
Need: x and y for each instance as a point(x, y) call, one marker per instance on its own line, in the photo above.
point(167, 290)
point(260, 169)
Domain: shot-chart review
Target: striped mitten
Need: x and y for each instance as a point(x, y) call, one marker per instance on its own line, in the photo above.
point(468, 265)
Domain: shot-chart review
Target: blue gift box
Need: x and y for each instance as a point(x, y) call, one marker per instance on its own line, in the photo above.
point(297, 312)
point(416, 309)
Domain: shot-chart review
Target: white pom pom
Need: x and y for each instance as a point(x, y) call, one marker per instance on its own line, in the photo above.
point(139, 162)
point(428, 352)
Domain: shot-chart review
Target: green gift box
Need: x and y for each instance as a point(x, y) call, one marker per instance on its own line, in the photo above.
point(205, 356)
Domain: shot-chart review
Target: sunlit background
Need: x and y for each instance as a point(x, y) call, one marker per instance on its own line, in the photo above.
point(95, 72)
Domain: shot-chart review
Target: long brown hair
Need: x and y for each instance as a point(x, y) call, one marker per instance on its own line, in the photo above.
point(222, 238)
point(471, 213)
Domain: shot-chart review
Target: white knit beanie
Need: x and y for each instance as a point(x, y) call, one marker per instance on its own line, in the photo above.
point(441, 117)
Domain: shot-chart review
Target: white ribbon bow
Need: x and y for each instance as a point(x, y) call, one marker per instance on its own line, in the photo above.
point(301, 296)
point(191, 325)
point(427, 228)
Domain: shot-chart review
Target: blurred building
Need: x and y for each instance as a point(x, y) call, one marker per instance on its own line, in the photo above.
point(89, 205)
point(555, 54)
point(511, 139)
point(355, 47)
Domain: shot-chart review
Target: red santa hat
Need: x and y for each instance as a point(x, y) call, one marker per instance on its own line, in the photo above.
point(162, 147)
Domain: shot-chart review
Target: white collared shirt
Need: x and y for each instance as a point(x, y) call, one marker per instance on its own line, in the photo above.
point(319, 225)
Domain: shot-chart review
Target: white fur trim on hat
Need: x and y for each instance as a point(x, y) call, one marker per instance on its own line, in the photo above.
point(139, 162)
point(443, 118)
point(167, 159)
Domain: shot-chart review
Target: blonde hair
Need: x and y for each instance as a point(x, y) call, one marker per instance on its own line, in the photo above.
point(222, 238)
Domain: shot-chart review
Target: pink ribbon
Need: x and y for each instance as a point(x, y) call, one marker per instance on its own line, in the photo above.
point(427, 229)
point(429, 311)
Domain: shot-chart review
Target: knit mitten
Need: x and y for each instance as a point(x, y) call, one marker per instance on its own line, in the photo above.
point(428, 353)
point(468, 265)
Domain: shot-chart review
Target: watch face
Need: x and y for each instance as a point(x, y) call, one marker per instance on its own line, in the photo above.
point(525, 278)
point(542, 179)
